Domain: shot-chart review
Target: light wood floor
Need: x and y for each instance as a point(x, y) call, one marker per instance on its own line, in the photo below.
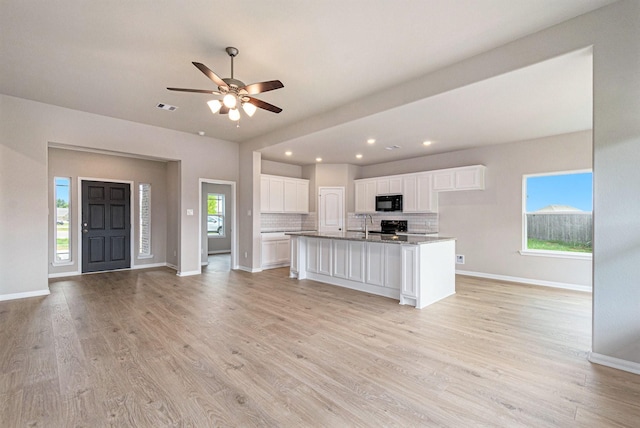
point(226, 348)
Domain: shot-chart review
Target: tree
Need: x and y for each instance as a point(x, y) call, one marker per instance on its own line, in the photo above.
point(212, 204)
point(61, 203)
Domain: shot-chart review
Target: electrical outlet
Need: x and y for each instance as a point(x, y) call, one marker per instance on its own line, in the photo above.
point(459, 259)
point(245, 254)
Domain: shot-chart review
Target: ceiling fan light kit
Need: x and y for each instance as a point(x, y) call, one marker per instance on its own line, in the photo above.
point(235, 92)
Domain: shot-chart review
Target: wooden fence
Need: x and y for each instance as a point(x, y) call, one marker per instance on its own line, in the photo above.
point(572, 228)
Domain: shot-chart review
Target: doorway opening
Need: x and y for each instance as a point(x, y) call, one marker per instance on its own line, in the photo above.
point(217, 235)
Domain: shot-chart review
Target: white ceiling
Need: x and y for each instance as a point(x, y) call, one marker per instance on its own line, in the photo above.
point(117, 58)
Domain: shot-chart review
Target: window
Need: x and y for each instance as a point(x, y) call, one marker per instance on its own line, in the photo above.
point(558, 212)
point(62, 231)
point(215, 215)
point(144, 220)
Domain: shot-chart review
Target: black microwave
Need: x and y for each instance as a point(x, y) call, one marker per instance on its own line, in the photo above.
point(389, 203)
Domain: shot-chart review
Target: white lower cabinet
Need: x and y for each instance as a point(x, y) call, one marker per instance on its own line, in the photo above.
point(417, 275)
point(408, 292)
point(348, 260)
point(276, 250)
point(393, 266)
point(375, 264)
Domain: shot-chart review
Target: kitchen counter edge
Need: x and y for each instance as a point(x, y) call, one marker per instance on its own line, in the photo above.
point(386, 239)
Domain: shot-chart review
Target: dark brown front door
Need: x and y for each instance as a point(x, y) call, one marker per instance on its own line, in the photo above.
point(106, 228)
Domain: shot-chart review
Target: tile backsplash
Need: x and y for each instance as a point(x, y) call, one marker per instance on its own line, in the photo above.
point(270, 222)
point(417, 223)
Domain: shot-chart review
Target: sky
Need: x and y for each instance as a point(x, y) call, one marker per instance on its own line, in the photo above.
point(62, 188)
point(575, 190)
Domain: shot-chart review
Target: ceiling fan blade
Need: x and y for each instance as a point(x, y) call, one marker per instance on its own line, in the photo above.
point(210, 74)
point(263, 105)
point(224, 110)
point(200, 91)
point(260, 87)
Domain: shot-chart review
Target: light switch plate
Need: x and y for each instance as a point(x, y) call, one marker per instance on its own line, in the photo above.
point(189, 212)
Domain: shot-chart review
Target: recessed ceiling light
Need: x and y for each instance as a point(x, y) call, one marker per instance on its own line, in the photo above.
point(318, 159)
point(359, 156)
point(288, 153)
point(371, 141)
point(201, 133)
point(426, 143)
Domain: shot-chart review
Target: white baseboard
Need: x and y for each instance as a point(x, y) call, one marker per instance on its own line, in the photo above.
point(63, 274)
point(14, 296)
point(149, 266)
point(189, 273)
point(616, 363)
point(174, 267)
point(248, 269)
point(530, 281)
point(76, 273)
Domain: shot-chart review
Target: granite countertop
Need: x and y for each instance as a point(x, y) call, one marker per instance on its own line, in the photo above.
point(375, 237)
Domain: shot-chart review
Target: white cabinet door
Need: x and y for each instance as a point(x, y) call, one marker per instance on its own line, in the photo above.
point(324, 256)
point(426, 199)
point(302, 196)
point(382, 186)
point(409, 271)
point(294, 253)
point(356, 261)
point(282, 251)
point(375, 264)
point(268, 253)
point(395, 185)
point(290, 196)
point(393, 266)
point(471, 178)
point(264, 194)
point(276, 195)
point(340, 258)
point(409, 194)
point(443, 180)
point(312, 254)
point(365, 196)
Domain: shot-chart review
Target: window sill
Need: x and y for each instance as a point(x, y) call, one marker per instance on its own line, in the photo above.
point(69, 263)
point(146, 256)
point(557, 254)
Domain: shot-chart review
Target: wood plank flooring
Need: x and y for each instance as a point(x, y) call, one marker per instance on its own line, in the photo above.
point(146, 348)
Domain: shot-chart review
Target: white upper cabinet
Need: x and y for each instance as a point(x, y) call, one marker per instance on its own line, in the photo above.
point(464, 178)
point(366, 196)
point(419, 190)
point(417, 196)
point(283, 194)
point(389, 185)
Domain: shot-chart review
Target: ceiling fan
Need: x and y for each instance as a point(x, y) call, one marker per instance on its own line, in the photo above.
point(235, 92)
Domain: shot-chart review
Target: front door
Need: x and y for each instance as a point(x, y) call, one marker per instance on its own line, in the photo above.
point(106, 226)
point(330, 209)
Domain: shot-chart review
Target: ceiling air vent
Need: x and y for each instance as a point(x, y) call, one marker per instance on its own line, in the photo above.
point(166, 107)
point(394, 147)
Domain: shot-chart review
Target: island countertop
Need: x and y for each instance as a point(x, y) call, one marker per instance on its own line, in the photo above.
point(375, 237)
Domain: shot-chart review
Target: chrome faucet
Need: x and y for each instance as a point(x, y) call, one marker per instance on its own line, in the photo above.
point(366, 226)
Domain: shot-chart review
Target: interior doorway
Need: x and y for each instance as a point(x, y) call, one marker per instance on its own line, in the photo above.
point(217, 222)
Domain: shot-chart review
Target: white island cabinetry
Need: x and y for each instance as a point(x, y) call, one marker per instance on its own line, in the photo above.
point(416, 273)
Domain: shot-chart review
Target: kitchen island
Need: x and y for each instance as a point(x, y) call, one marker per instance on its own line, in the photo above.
point(416, 270)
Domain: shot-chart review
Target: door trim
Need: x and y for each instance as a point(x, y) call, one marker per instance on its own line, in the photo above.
point(78, 228)
point(234, 231)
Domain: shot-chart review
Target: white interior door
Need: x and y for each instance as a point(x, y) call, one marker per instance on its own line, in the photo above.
point(330, 209)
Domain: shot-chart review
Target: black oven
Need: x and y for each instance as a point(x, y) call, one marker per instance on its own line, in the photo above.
point(389, 203)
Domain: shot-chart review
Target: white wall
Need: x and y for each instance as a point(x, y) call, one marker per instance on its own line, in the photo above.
point(28, 127)
point(488, 223)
